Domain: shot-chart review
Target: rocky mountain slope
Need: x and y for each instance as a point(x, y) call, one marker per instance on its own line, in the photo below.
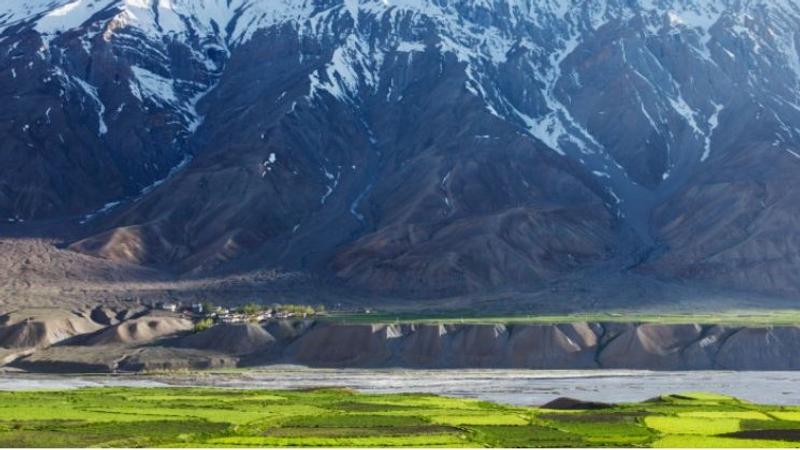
point(412, 147)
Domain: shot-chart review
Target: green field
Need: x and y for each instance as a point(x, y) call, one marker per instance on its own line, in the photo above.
point(731, 318)
point(193, 417)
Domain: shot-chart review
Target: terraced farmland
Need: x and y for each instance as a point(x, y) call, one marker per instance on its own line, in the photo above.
point(194, 417)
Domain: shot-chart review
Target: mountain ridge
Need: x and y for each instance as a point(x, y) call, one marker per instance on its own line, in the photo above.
point(413, 146)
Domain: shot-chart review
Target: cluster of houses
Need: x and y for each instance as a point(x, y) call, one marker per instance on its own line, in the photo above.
point(224, 315)
point(194, 309)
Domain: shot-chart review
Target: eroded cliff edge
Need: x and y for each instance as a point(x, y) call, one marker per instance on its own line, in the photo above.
point(579, 345)
point(147, 340)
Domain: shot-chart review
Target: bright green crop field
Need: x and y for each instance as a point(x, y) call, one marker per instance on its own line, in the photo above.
point(730, 318)
point(191, 417)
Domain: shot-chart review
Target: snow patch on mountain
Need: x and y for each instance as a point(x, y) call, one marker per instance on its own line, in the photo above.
point(154, 87)
point(485, 37)
point(411, 47)
point(16, 11)
point(353, 65)
point(91, 91)
point(162, 91)
point(713, 123)
point(68, 16)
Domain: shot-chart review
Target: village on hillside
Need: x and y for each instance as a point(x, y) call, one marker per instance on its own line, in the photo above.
point(207, 314)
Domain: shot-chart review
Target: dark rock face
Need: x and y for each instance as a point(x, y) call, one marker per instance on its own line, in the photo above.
point(81, 129)
point(431, 148)
point(543, 346)
point(737, 231)
point(749, 349)
point(649, 347)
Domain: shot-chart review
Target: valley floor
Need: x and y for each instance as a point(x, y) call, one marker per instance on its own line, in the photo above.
point(204, 417)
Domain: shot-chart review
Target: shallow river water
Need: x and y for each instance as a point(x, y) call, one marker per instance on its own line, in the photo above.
point(520, 387)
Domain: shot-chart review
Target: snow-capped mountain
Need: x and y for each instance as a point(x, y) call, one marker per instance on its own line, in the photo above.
point(411, 145)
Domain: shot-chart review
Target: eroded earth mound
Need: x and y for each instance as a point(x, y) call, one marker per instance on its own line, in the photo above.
point(71, 342)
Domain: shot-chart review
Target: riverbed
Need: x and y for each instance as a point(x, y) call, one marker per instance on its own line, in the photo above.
point(518, 387)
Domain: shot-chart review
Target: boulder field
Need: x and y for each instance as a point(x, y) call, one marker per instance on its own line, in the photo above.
point(60, 341)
